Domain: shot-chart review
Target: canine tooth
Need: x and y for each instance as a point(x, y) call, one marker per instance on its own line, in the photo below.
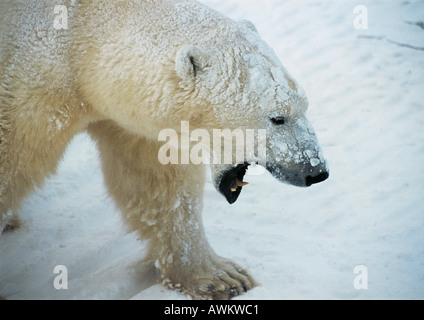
point(241, 183)
point(238, 184)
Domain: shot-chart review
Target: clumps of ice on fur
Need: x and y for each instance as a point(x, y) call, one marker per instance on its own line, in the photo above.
point(285, 144)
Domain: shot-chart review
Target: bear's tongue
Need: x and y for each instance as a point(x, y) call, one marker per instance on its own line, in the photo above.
point(232, 182)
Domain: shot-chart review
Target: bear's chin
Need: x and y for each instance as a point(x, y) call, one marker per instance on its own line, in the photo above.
point(230, 182)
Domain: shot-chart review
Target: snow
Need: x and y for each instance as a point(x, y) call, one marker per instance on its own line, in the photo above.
point(365, 90)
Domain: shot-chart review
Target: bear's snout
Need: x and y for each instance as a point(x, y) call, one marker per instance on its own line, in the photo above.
point(300, 175)
point(310, 180)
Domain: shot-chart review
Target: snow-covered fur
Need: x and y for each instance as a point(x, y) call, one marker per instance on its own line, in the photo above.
point(125, 70)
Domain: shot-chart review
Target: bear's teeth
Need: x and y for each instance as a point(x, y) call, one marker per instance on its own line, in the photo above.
point(239, 184)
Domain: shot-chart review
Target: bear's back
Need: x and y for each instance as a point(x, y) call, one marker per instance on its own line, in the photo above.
point(33, 54)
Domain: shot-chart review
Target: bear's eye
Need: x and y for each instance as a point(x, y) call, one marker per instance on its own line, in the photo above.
point(278, 120)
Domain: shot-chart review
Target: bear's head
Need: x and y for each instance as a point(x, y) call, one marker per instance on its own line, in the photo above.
point(239, 83)
point(192, 64)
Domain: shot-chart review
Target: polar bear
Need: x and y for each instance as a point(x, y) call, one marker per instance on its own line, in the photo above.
point(124, 71)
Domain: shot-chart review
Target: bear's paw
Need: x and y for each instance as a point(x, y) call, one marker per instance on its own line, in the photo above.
point(220, 279)
point(9, 222)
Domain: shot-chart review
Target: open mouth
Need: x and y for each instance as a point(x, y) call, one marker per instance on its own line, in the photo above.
point(232, 182)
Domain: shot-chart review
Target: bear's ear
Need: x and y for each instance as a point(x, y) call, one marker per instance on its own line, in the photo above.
point(191, 60)
point(249, 24)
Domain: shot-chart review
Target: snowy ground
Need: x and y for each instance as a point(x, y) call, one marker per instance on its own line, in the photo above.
point(366, 92)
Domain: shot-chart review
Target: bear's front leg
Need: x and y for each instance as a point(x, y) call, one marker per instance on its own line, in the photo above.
point(164, 203)
point(185, 260)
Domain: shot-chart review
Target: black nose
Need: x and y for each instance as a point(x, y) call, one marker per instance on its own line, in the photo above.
point(317, 179)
